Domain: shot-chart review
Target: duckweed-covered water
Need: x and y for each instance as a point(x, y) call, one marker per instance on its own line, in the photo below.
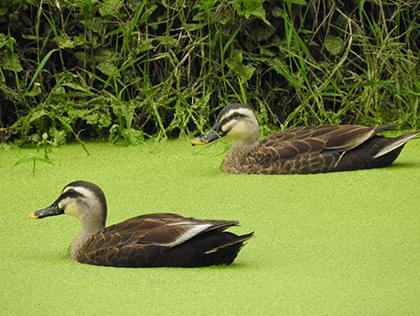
point(328, 244)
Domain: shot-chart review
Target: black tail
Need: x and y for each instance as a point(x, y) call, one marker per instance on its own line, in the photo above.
point(211, 248)
point(395, 143)
point(226, 252)
point(377, 152)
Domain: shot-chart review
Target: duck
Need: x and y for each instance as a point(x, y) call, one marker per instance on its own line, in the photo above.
point(149, 240)
point(301, 150)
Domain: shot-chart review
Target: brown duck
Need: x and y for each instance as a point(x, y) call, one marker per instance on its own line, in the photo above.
point(152, 240)
point(301, 150)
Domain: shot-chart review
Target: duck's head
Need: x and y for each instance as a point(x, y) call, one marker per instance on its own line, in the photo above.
point(82, 199)
point(236, 121)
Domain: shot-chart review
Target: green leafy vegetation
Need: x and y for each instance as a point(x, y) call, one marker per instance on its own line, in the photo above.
point(128, 70)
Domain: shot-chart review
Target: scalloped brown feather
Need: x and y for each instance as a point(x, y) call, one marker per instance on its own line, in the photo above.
point(145, 241)
point(315, 149)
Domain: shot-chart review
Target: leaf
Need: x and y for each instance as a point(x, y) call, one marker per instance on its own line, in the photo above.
point(79, 40)
point(41, 66)
point(9, 93)
point(266, 52)
point(235, 64)
point(130, 135)
point(58, 90)
point(206, 5)
point(110, 7)
point(278, 12)
point(70, 129)
point(334, 44)
point(4, 41)
point(103, 55)
point(36, 90)
point(248, 8)
point(261, 32)
point(36, 115)
point(191, 27)
point(104, 121)
point(64, 41)
point(10, 61)
point(76, 87)
point(145, 45)
point(65, 124)
point(108, 69)
point(31, 158)
point(59, 136)
point(94, 24)
point(167, 40)
point(147, 13)
point(82, 56)
point(279, 67)
point(30, 37)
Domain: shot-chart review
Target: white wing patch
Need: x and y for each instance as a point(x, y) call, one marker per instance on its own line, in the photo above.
point(188, 234)
point(356, 142)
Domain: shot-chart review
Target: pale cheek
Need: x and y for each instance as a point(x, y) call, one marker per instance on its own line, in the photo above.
point(72, 209)
point(229, 125)
point(239, 132)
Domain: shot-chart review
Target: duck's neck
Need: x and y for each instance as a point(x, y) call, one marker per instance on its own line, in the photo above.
point(235, 159)
point(242, 148)
point(90, 226)
point(251, 141)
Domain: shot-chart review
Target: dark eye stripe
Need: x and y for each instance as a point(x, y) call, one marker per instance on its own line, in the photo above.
point(233, 116)
point(70, 194)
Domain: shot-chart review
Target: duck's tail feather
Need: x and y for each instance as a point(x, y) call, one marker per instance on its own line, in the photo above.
point(239, 240)
point(383, 128)
point(396, 143)
point(226, 252)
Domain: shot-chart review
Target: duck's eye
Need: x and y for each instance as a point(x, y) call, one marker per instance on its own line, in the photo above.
point(237, 116)
point(72, 193)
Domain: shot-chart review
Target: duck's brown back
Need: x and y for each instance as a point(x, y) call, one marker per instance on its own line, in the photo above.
point(313, 149)
point(162, 239)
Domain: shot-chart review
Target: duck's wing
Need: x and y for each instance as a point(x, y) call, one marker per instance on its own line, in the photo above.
point(313, 140)
point(140, 238)
point(165, 228)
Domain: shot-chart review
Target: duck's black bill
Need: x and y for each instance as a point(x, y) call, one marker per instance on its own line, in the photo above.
point(52, 210)
point(206, 138)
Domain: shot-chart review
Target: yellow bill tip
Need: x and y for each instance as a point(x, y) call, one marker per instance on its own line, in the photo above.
point(198, 141)
point(33, 216)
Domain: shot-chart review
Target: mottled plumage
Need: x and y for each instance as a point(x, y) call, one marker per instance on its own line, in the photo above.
point(301, 150)
point(153, 240)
